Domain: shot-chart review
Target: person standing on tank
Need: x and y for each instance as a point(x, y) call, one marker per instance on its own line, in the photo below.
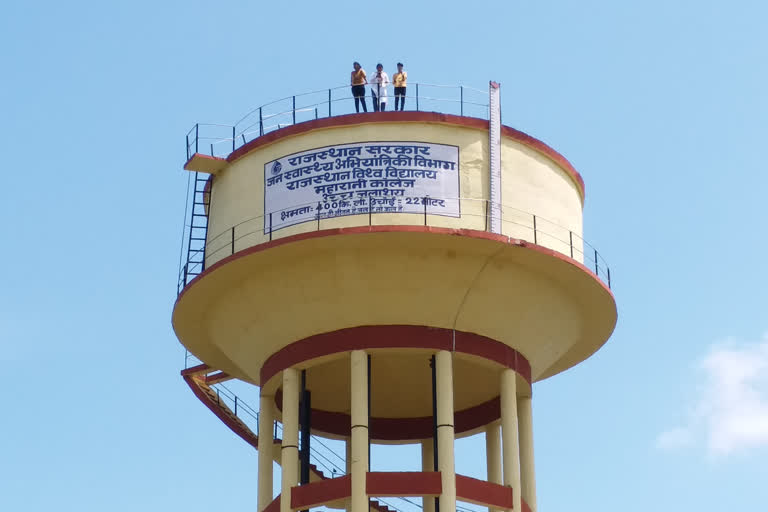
point(399, 80)
point(379, 83)
point(358, 81)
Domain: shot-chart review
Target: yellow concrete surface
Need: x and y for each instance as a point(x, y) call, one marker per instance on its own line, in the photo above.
point(532, 184)
point(359, 424)
point(236, 316)
point(527, 470)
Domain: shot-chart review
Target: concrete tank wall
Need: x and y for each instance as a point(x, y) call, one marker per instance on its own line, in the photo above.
point(533, 184)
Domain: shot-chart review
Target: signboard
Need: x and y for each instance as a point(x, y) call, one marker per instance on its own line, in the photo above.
point(354, 179)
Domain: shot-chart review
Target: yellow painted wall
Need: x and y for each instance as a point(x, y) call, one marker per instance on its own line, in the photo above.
point(532, 185)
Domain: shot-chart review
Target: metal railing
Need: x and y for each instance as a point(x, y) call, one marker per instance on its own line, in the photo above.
point(219, 140)
point(474, 214)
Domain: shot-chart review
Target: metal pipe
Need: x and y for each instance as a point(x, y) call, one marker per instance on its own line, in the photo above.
point(434, 423)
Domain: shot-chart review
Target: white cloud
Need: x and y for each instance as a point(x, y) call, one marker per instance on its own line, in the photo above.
point(730, 413)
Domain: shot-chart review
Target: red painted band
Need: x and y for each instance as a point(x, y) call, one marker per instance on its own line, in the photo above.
point(410, 117)
point(320, 493)
point(482, 492)
point(404, 484)
point(394, 336)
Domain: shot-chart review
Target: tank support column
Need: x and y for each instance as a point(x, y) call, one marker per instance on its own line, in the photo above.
point(266, 420)
point(359, 427)
point(445, 430)
point(525, 415)
point(493, 453)
point(290, 448)
point(509, 435)
point(427, 464)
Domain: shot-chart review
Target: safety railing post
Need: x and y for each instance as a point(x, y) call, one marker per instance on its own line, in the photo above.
point(187, 146)
point(294, 110)
point(235, 405)
point(486, 214)
point(597, 270)
point(535, 239)
point(197, 136)
point(233, 139)
point(270, 226)
point(275, 435)
point(609, 277)
point(329, 103)
point(233, 240)
point(424, 200)
point(461, 89)
point(570, 238)
point(370, 211)
point(417, 97)
point(315, 112)
point(261, 123)
point(318, 215)
point(211, 149)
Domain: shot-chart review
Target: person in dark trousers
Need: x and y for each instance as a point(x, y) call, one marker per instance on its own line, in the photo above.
point(379, 82)
point(400, 80)
point(358, 81)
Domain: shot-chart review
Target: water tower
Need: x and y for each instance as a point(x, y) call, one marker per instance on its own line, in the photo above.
point(387, 277)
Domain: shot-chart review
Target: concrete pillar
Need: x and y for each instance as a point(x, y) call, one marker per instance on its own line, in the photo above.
point(359, 417)
point(428, 464)
point(266, 447)
point(445, 430)
point(509, 435)
point(493, 455)
point(290, 448)
point(528, 476)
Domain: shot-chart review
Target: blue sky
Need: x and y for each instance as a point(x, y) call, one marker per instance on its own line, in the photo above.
point(662, 106)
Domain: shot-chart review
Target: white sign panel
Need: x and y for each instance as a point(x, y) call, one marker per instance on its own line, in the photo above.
point(354, 179)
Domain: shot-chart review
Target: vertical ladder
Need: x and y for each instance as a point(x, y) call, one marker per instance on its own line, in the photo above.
point(494, 135)
point(198, 228)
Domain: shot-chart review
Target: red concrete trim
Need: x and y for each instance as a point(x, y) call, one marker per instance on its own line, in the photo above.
point(404, 484)
point(194, 370)
point(469, 233)
point(525, 506)
point(483, 493)
point(401, 429)
point(247, 436)
point(393, 336)
point(320, 493)
point(409, 117)
point(274, 506)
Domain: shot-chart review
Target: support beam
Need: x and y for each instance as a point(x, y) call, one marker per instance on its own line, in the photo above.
point(527, 470)
point(266, 447)
point(359, 427)
point(509, 435)
point(427, 464)
point(445, 430)
point(290, 448)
